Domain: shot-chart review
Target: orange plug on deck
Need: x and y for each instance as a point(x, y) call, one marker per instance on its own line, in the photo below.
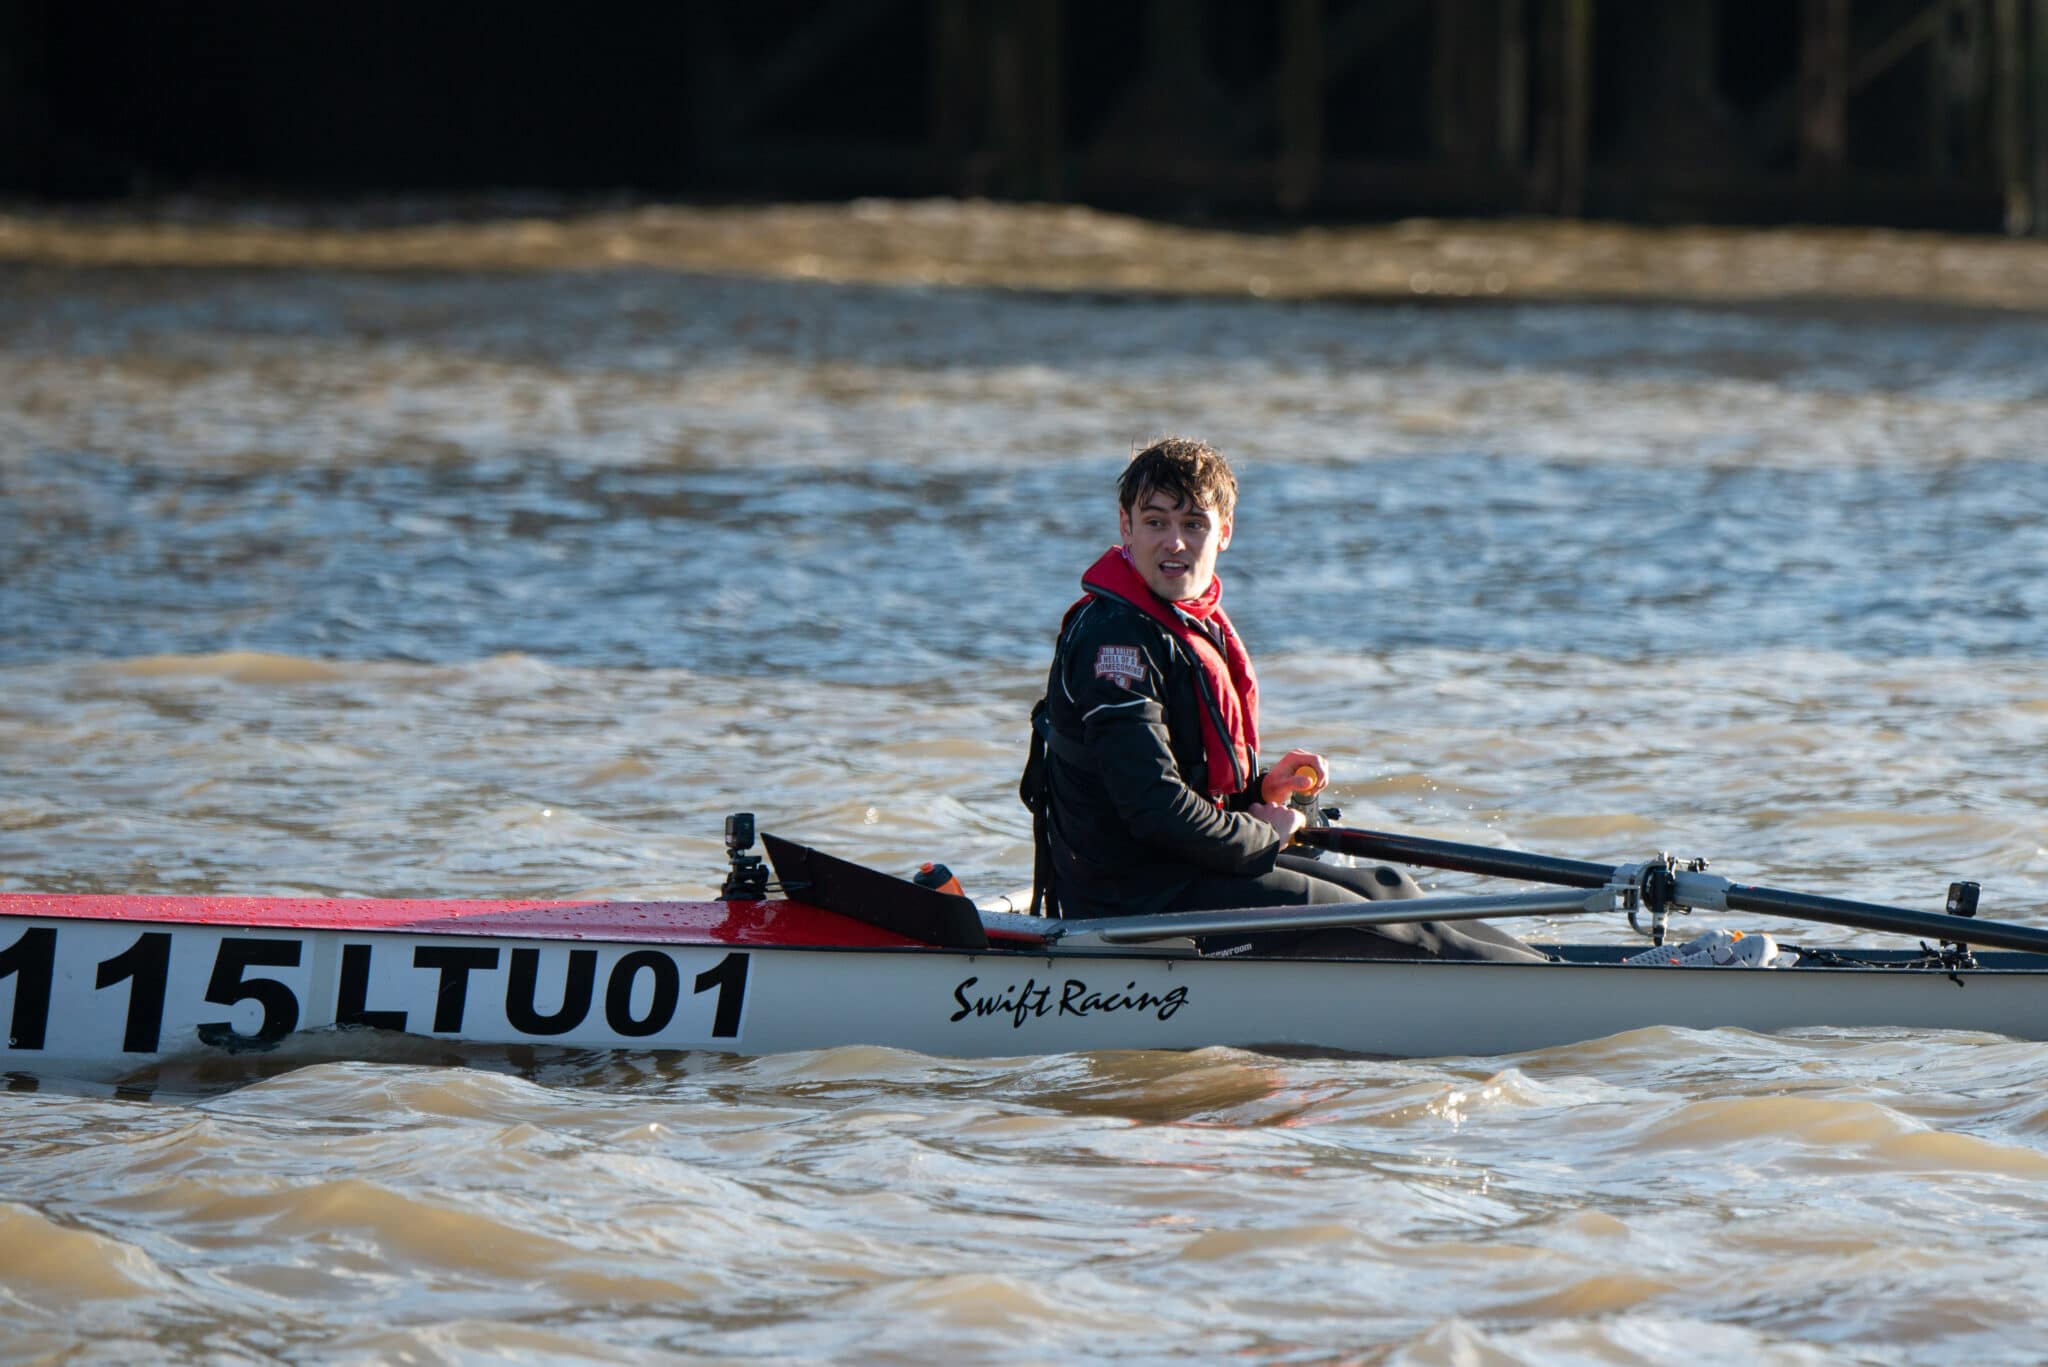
point(938, 878)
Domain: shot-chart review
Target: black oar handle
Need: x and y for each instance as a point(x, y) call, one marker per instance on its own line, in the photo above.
point(1448, 854)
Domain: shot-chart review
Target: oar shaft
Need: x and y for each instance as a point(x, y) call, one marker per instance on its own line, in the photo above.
point(1897, 920)
point(1707, 892)
point(1448, 854)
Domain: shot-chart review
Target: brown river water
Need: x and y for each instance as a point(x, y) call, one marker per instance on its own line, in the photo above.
point(505, 559)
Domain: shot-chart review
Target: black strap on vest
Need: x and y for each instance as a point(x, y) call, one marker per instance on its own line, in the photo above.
point(1035, 791)
point(1035, 788)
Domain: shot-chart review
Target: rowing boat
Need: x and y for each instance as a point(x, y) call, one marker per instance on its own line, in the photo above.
point(96, 985)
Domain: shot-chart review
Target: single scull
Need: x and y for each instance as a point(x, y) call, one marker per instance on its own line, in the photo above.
point(99, 985)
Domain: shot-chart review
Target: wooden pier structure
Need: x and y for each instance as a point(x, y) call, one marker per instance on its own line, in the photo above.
point(1912, 113)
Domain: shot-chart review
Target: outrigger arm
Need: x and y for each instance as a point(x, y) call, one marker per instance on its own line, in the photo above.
point(1133, 930)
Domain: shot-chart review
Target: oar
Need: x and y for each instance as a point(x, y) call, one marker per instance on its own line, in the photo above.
point(1690, 888)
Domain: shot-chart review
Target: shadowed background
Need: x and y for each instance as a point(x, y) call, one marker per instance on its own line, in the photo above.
point(408, 487)
point(1929, 113)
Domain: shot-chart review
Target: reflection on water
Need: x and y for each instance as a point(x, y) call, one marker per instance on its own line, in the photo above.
point(773, 571)
point(749, 478)
point(314, 581)
point(513, 777)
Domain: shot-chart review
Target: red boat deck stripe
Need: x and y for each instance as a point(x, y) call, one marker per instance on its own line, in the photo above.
point(718, 923)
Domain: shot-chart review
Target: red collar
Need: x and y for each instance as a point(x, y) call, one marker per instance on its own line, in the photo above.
point(1230, 712)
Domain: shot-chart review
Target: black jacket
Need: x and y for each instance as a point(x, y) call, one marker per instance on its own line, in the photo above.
point(1128, 824)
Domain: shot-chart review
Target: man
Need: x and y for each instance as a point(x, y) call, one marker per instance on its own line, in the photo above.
point(1150, 793)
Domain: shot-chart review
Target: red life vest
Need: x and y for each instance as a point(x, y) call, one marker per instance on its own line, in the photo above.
point(1229, 688)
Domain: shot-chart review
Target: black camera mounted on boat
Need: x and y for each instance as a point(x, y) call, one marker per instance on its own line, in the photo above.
point(747, 878)
point(1954, 954)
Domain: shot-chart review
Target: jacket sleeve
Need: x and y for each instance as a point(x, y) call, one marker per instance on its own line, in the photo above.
point(1117, 681)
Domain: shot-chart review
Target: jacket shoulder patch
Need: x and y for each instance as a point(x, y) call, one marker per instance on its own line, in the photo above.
point(1121, 663)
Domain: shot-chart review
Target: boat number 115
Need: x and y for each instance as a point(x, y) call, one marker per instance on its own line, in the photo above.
point(237, 977)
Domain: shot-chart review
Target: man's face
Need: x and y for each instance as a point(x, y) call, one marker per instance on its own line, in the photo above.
point(1174, 545)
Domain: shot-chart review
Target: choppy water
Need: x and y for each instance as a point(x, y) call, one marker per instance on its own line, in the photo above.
point(479, 584)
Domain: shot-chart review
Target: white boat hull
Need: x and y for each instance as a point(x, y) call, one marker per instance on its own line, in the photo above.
point(98, 997)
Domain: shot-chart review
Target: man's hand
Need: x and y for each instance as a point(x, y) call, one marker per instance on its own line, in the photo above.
point(1282, 818)
point(1284, 779)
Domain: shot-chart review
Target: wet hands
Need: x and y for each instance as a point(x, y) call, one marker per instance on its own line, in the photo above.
point(1282, 818)
point(1299, 771)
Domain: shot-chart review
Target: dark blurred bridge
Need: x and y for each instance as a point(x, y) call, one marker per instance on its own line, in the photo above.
point(1907, 112)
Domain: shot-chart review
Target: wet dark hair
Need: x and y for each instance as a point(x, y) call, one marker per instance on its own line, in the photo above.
point(1185, 470)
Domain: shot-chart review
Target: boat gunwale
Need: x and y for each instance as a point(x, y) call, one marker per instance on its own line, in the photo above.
point(1889, 962)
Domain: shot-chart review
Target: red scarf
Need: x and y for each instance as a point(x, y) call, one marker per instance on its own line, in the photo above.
point(1232, 750)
